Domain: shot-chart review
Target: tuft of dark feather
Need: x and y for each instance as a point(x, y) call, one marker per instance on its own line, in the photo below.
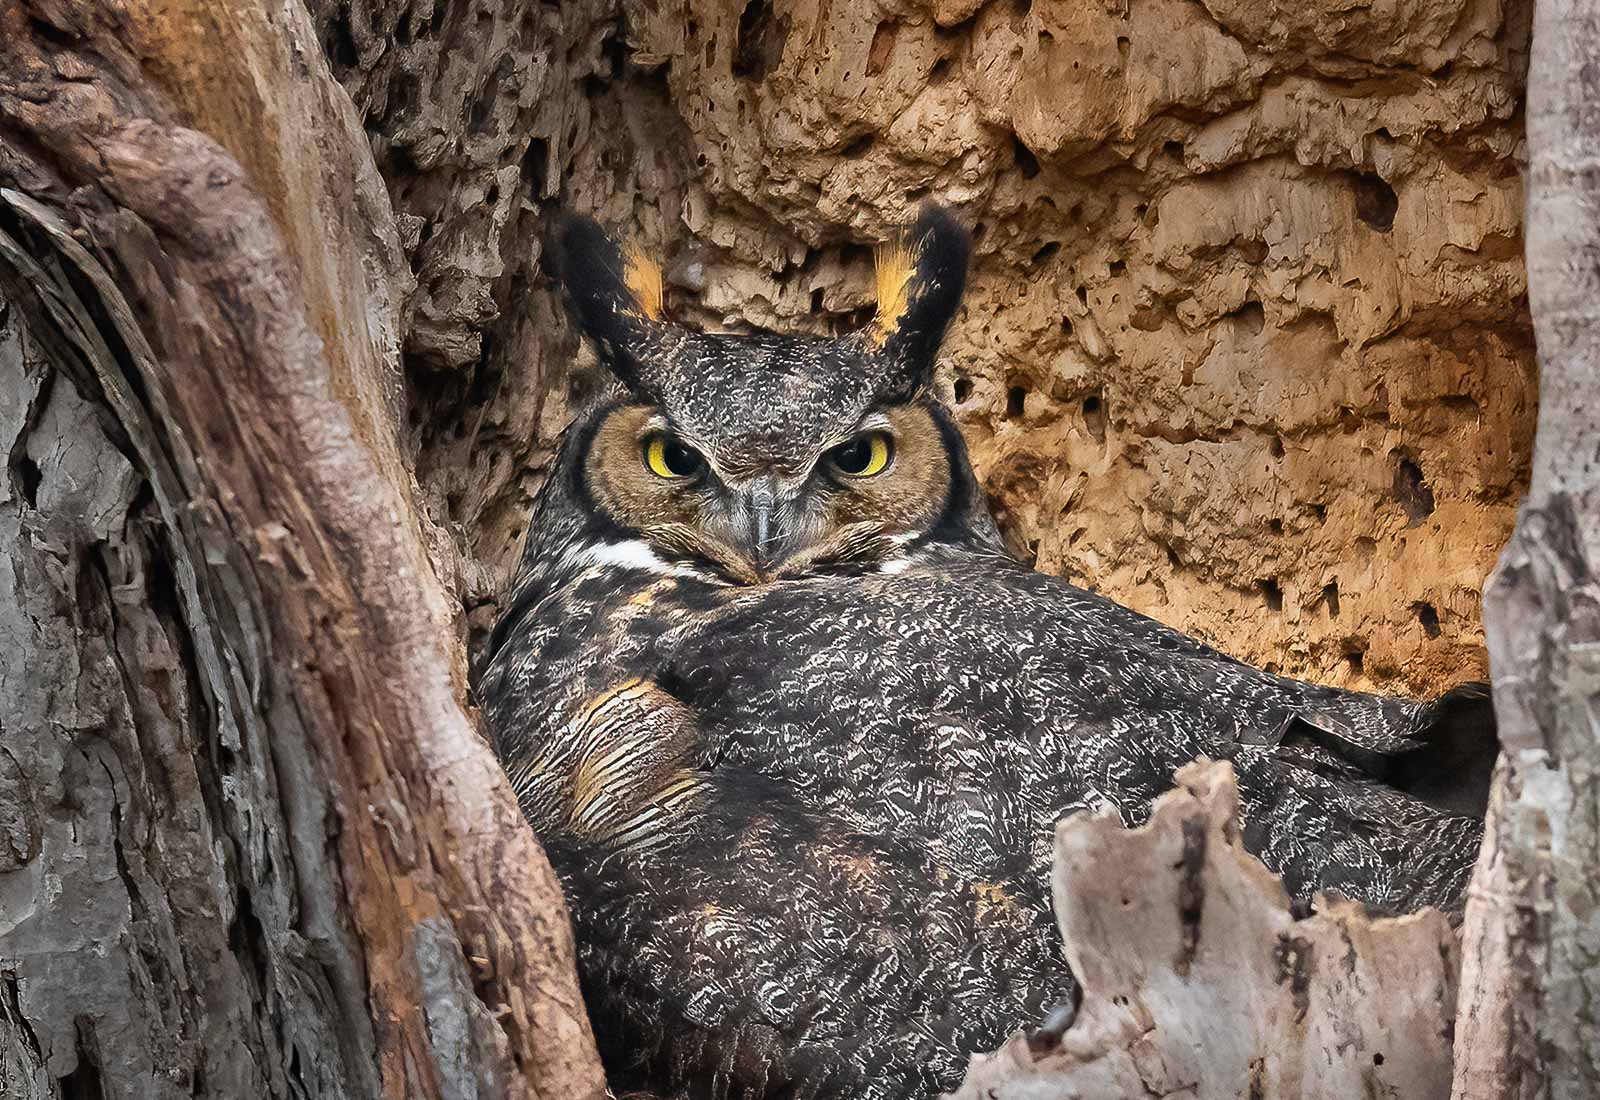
point(613, 291)
point(938, 247)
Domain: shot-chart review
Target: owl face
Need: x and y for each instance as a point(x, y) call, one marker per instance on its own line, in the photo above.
point(766, 456)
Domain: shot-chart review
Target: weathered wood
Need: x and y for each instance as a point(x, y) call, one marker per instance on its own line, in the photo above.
point(1530, 1019)
point(236, 741)
point(1199, 981)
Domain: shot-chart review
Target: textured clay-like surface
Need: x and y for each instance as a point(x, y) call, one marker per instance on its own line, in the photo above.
point(1246, 345)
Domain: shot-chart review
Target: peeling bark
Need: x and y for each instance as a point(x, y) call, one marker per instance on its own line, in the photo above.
point(236, 744)
point(1199, 982)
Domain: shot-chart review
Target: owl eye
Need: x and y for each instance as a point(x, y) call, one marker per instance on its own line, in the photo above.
point(864, 456)
point(666, 457)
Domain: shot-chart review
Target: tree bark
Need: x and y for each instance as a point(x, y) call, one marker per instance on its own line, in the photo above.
point(255, 846)
point(1530, 1014)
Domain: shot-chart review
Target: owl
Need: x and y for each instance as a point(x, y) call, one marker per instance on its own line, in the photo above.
point(795, 728)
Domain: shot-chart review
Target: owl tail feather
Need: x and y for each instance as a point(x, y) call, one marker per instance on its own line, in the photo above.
point(1443, 756)
point(1453, 766)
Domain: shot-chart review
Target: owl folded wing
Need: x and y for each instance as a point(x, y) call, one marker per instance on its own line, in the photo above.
point(1441, 753)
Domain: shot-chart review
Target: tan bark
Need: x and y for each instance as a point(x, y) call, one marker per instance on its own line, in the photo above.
point(403, 932)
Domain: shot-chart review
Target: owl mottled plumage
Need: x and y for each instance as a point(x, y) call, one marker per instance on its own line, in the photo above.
point(795, 729)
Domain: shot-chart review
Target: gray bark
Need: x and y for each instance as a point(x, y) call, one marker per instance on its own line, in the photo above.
point(1530, 1015)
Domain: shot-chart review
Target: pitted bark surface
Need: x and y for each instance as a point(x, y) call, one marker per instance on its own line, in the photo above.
point(1246, 346)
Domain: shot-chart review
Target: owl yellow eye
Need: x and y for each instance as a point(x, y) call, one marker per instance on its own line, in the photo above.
point(666, 457)
point(864, 456)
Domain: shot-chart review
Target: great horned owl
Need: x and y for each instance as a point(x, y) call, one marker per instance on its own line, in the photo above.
point(795, 728)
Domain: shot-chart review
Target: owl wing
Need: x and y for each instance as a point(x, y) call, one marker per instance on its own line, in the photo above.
point(1441, 752)
point(844, 693)
point(771, 951)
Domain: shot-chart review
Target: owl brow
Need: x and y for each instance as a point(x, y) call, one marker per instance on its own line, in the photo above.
point(660, 422)
point(872, 421)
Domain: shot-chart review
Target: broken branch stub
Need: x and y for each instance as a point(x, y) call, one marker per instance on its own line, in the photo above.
point(1198, 981)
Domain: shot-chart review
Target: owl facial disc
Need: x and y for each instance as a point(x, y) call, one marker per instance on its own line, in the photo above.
point(757, 457)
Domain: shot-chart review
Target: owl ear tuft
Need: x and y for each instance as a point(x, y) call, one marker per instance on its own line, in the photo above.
point(614, 291)
point(920, 279)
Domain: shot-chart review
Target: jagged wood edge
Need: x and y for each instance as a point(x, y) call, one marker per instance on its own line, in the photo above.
point(1528, 1023)
point(1199, 980)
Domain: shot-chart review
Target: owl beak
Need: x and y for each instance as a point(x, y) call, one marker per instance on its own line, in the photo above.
point(761, 499)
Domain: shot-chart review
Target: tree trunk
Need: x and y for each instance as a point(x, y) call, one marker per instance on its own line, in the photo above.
point(1530, 1021)
point(255, 846)
point(280, 372)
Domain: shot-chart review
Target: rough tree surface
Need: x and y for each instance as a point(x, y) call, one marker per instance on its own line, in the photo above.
point(1198, 981)
point(1530, 1010)
point(1246, 347)
point(251, 844)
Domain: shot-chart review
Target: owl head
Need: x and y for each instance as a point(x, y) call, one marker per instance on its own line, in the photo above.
point(762, 455)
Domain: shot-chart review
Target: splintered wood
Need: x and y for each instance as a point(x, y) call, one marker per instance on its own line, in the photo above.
point(1199, 982)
